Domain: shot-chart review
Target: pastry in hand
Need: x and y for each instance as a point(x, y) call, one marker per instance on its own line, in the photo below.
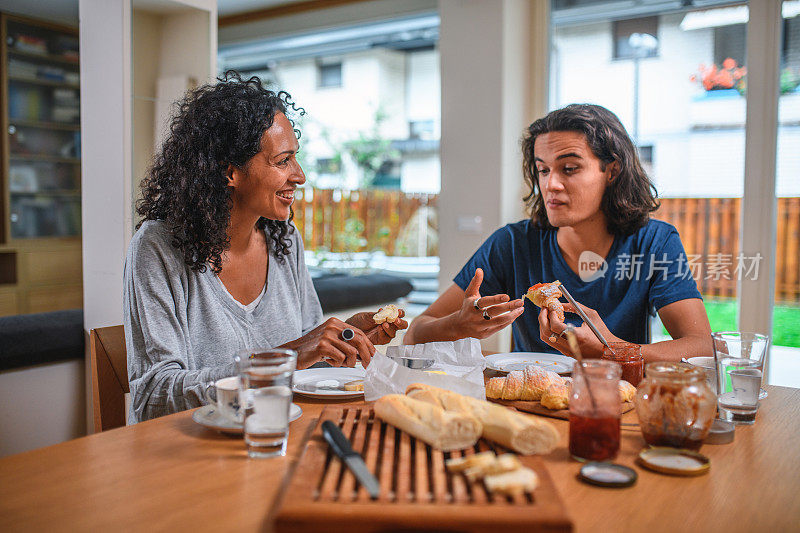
point(387, 313)
point(546, 295)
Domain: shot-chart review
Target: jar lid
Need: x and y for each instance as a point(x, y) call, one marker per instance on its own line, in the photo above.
point(607, 475)
point(674, 461)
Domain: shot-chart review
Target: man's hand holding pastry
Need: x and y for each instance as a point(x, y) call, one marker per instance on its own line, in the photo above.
point(552, 327)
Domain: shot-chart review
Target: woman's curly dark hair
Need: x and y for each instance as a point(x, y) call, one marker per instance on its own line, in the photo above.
point(187, 185)
point(630, 197)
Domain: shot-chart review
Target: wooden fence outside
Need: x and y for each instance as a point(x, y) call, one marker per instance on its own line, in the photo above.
point(364, 220)
point(709, 228)
point(389, 220)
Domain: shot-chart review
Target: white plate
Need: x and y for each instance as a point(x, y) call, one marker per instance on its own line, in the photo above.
point(209, 417)
point(327, 382)
point(506, 362)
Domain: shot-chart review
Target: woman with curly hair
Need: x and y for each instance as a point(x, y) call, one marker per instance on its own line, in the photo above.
point(216, 264)
point(589, 228)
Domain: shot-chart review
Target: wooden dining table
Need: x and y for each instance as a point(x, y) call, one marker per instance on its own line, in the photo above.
point(173, 474)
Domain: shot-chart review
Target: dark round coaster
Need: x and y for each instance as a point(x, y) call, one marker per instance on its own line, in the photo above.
point(607, 475)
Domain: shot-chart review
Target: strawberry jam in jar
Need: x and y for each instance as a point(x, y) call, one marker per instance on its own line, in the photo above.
point(594, 411)
point(630, 358)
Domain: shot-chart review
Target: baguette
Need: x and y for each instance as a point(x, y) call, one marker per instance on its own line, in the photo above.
point(522, 433)
point(429, 423)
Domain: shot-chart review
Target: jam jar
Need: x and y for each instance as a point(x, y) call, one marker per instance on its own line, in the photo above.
point(675, 405)
point(594, 412)
point(630, 358)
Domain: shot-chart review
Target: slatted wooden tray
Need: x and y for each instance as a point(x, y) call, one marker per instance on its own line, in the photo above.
point(416, 491)
point(538, 409)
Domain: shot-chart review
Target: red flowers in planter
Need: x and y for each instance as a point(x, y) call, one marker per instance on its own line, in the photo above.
point(728, 76)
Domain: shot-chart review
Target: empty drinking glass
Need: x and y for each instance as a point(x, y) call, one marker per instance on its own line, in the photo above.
point(266, 396)
point(739, 382)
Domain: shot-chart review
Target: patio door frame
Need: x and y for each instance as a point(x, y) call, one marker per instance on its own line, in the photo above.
point(759, 202)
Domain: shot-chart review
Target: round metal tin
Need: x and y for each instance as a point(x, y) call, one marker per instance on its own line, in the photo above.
point(607, 475)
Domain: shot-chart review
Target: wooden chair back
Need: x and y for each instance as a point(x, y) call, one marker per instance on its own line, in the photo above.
point(109, 376)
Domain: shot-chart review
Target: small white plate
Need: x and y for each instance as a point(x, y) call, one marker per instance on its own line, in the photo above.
point(327, 382)
point(506, 362)
point(209, 417)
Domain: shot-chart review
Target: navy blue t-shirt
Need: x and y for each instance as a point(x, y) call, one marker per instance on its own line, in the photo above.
point(646, 270)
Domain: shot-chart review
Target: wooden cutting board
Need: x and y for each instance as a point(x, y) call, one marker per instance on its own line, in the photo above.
point(538, 409)
point(416, 491)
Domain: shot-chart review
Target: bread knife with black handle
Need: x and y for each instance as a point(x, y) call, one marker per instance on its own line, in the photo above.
point(341, 447)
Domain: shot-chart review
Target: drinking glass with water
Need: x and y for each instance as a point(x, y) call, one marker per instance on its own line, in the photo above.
point(742, 345)
point(739, 386)
point(266, 396)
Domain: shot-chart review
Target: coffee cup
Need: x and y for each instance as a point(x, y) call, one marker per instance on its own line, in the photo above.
point(709, 366)
point(223, 394)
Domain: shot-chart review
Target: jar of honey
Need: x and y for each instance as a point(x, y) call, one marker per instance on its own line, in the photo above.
point(594, 411)
point(675, 405)
point(630, 358)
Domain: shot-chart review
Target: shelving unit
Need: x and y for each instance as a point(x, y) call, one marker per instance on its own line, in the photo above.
point(40, 212)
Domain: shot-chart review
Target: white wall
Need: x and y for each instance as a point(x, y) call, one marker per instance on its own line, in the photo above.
point(107, 125)
point(486, 99)
point(41, 405)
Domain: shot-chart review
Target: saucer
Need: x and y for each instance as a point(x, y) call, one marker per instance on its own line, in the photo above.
point(209, 417)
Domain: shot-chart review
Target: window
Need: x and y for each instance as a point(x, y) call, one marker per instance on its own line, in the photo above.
point(729, 42)
point(646, 158)
point(328, 165)
point(421, 129)
point(627, 44)
point(329, 75)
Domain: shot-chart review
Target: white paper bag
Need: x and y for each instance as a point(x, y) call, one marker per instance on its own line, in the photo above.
point(462, 360)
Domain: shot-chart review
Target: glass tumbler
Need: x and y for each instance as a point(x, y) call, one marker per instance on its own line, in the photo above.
point(266, 396)
point(743, 345)
point(739, 382)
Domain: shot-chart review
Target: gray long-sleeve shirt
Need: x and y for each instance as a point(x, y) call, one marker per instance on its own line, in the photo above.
point(182, 329)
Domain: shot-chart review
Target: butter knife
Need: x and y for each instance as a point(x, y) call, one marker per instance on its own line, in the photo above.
point(585, 318)
point(341, 447)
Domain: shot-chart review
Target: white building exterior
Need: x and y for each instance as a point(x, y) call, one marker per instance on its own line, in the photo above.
point(697, 139)
point(404, 86)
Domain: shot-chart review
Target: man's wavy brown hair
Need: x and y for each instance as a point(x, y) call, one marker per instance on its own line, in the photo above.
point(629, 198)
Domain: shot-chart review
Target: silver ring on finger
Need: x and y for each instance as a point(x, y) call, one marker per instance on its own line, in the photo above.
point(552, 337)
point(475, 303)
point(486, 315)
point(348, 334)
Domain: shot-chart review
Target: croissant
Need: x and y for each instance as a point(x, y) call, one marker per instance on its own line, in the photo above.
point(626, 391)
point(529, 384)
point(546, 295)
point(535, 383)
point(556, 396)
